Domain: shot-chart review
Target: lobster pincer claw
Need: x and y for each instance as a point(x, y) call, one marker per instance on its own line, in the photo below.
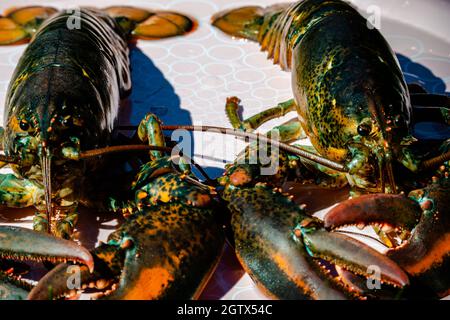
point(25, 244)
point(282, 248)
point(425, 253)
point(162, 252)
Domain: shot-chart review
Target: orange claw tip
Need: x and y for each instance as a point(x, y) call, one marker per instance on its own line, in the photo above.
point(26, 244)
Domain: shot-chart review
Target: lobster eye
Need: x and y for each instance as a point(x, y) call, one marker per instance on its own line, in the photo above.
point(24, 125)
point(67, 122)
point(399, 121)
point(364, 129)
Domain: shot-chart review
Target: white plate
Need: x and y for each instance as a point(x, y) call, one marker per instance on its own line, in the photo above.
point(186, 80)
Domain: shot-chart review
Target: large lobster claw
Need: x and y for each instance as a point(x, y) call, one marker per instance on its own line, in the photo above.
point(425, 255)
point(281, 248)
point(163, 252)
point(25, 244)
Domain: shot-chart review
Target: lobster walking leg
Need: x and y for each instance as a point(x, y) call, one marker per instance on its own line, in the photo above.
point(257, 120)
point(19, 193)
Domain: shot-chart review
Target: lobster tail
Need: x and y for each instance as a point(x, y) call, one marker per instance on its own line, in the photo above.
point(148, 25)
point(278, 28)
point(264, 25)
point(244, 22)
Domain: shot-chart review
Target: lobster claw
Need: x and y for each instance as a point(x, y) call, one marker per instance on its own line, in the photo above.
point(162, 252)
point(25, 244)
point(350, 254)
point(281, 248)
point(425, 254)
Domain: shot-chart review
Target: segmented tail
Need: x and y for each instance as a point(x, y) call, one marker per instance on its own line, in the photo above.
point(278, 28)
point(264, 25)
point(244, 22)
point(144, 24)
point(19, 25)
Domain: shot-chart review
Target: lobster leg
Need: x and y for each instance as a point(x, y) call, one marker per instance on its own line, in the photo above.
point(19, 193)
point(252, 123)
point(143, 24)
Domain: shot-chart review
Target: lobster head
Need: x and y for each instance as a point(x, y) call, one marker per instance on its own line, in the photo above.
point(47, 129)
point(379, 111)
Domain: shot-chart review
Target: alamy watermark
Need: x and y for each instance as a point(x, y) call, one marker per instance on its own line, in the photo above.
point(259, 152)
point(374, 17)
point(74, 19)
point(74, 280)
point(373, 281)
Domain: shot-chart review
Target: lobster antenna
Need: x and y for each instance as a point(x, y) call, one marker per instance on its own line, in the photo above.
point(138, 147)
point(257, 136)
point(46, 177)
point(116, 149)
point(204, 174)
point(433, 162)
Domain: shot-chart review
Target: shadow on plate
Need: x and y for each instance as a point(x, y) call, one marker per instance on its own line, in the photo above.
point(151, 92)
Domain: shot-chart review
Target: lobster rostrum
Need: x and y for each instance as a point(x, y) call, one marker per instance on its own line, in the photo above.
point(168, 246)
point(349, 92)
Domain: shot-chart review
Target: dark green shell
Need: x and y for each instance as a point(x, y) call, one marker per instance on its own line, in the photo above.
point(343, 72)
point(65, 93)
point(77, 72)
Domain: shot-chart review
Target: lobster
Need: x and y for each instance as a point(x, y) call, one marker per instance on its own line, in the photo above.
point(349, 92)
point(62, 101)
point(356, 109)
